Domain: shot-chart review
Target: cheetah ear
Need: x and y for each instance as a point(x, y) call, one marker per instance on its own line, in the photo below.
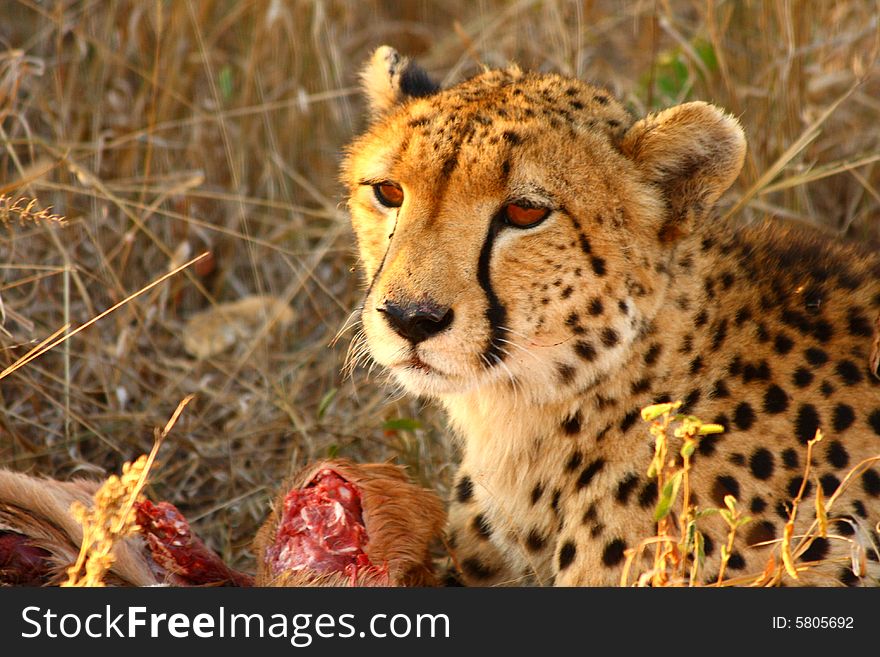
point(693, 153)
point(388, 79)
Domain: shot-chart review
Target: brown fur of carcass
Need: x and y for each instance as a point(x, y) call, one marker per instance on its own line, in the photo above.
point(401, 520)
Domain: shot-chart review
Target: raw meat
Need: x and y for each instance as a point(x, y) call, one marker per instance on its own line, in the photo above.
point(321, 528)
point(179, 552)
point(21, 562)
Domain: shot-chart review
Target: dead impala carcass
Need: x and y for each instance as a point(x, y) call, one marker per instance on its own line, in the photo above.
point(335, 524)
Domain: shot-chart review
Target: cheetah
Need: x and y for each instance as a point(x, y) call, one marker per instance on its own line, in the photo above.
point(544, 266)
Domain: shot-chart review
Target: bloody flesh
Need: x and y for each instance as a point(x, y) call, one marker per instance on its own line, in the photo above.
point(321, 528)
point(21, 562)
point(178, 551)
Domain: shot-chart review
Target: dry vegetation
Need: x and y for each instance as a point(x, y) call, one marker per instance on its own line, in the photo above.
point(675, 555)
point(162, 130)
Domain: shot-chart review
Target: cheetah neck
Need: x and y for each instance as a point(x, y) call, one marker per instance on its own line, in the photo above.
point(485, 414)
point(501, 433)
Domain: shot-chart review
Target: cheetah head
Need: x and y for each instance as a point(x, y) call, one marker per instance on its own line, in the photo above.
point(513, 229)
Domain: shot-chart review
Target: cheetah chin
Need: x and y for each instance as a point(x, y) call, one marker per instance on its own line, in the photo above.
point(544, 266)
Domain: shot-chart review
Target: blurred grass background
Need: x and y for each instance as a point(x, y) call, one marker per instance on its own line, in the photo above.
point(163, 129)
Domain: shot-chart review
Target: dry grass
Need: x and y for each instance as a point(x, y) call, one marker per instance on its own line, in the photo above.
point(161, 130)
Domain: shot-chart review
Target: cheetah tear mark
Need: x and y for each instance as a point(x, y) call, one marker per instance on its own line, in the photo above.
point(496, 312)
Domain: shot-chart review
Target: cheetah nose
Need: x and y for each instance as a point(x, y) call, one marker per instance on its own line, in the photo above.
point(416, 321)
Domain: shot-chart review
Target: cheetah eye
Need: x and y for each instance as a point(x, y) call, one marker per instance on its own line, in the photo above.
point(388, 194)
point(522, 216)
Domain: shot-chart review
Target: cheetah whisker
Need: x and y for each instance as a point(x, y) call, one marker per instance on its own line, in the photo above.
point(521, 348)
point(350, 322)
point(515, 384)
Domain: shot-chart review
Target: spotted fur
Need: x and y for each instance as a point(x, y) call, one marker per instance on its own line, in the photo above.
point(542, 343)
